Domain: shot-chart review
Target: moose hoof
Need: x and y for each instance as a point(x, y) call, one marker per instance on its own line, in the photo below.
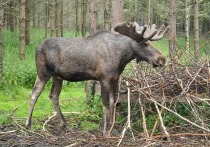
point(66, 129)
point(106, 134)
point(28, 126)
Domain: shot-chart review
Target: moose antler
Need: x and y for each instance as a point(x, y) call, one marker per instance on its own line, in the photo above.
point(139, 33)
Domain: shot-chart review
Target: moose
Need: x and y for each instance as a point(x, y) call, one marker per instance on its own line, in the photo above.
point(101, 56)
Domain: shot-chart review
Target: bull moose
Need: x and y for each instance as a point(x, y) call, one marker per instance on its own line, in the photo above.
point(101, 56)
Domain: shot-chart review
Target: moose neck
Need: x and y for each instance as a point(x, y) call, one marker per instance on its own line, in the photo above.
point(127, 53)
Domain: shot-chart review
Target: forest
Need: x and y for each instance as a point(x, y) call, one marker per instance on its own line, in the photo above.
point(163, 106)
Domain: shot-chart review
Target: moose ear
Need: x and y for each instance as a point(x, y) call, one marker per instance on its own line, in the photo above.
point(139, 33)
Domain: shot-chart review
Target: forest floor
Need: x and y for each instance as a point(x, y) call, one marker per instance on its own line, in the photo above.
point(14, 135)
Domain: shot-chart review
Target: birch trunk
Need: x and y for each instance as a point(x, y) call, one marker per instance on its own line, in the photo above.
point(107, 20)
point(187, 26)
point(117, 12)
point(84, 13)
point(93, 16)
point(27, 22)
point(196, 28)
point(172, 32)
point(1, 40)
point(22, 30)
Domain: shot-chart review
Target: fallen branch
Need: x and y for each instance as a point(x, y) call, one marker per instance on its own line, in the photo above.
point(8, 132)
point(43, 127)
point(128, 124)
point(178, 135)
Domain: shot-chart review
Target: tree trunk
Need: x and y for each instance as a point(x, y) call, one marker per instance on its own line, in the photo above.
point(38, 19)
point(93, 16)
point(187, 26)
point(61, 19)
point(34, 14)
point(5, 17)
point(84, 13)
point(27, 23)
point(107, 17)
point(136, 11)
point(68, 14)
point(172, 32)
point(149, 13)
point(77, 18)
point(1, 39)
point(52, 17)
point(22, 30)
point(47, 17)
point(196, 28)
point(11, 16)
point(57, 18)
point(117, 12)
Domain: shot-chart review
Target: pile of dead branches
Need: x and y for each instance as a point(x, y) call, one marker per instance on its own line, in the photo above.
point(186, 81)
point(173, 82)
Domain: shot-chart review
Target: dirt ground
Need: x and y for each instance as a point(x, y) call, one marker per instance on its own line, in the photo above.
point(18, 136)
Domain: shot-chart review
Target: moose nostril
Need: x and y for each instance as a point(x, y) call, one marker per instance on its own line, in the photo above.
point(161, 60)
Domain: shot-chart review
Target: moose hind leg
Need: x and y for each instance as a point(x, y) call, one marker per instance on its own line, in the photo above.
point(54, 96)
point(35, 93)
point(108, 90)
point(105, 89)
point(112, 101)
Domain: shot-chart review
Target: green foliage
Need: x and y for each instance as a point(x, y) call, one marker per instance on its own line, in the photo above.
point(4, 120)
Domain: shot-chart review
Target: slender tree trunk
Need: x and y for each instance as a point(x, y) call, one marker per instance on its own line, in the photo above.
point(117, 12)
point(57, 18)
point(34, 15)
point(93, 16)
point(47, 17)
point(52, 18)
point(149, 12)
point(38, 19)
point(172, 32)
point(196, 28)
point(107, 24)
point(136, 11)
point(27, 23)
point(84, 13)
point(1, 39)
point(77, 18)
point(11, 16)
point(5, 17)
point(22, 30)
point(187, 26)
point(61, 19)
point(69, 12)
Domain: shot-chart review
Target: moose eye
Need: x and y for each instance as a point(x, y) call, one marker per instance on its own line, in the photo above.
point(144, 45)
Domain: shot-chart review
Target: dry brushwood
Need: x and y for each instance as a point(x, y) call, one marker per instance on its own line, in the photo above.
point(186, 82)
